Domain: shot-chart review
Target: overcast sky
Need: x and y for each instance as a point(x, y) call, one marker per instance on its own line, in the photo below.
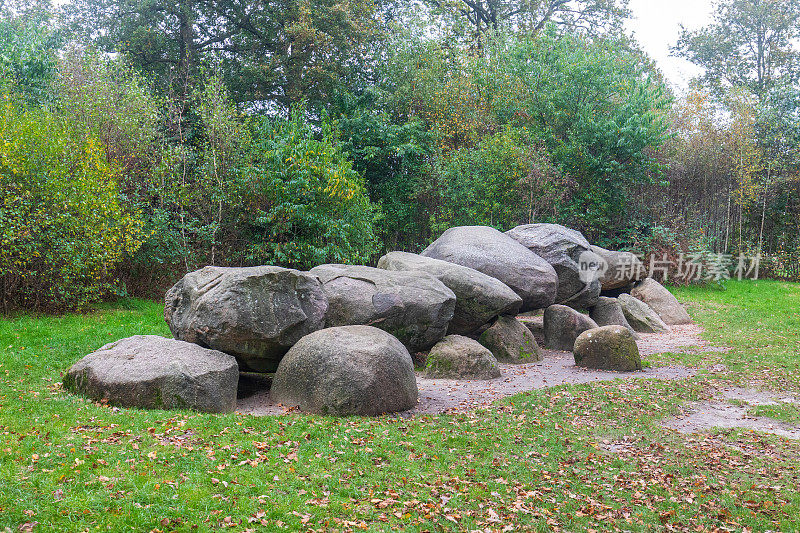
point(656, 25)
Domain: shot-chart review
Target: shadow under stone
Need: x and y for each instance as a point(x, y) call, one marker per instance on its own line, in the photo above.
point(251, 383)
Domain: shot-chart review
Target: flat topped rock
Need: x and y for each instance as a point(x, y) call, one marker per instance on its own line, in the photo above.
point(497, 255)
point(479, 298)
point(253, 313)
point(348, 370)
point(152, 372)
point(415, 307)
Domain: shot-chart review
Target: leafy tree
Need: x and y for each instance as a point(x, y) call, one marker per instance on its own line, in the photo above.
point(28, 45)
point(267, 53)
point(593, 17)
point(751, 44)
point(63, 225)
point(304, 204)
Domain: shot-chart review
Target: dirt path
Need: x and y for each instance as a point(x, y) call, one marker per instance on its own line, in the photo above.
point(557, 368)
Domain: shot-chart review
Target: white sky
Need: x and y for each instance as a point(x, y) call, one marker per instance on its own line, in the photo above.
point(656, 25)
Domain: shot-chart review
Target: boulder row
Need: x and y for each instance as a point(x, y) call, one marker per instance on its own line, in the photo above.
point(607, 348)
point(457, 357)
point(479, 298)
point(497, 255)
point(415, 307)
point(348, 370)
point(253, 313)
point(152, 372)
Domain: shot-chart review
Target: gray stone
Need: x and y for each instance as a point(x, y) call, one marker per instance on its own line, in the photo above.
point(479, 298)
point(252, 313)
point(608, 312)
point(497, 255)
point(511, 342)
point(535, 325)
point(607, 348)
point(415, 307)
point(623, 268)
point(639, 315)
point(661, 301)
point(457, 357)
point(348, 370)
point(152, 372)
point(562, 325)
point(568, 252)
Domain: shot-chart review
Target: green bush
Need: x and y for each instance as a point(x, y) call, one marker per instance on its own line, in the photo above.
point(63, 228)
point(303, 204)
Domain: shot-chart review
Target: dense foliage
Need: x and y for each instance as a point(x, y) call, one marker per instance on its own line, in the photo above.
point(308, 131)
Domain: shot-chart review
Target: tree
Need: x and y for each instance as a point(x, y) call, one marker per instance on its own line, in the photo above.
point(268, 53)
point(592, 17)
point(751, 44)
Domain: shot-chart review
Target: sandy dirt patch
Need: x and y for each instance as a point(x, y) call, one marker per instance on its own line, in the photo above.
point(558, 368)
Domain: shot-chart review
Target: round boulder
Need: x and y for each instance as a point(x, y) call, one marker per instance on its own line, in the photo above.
point(607, 348)
point(639, 315)
point(457, 357)
point(562, 325)
point(511, 342)
point(152, 372)
point(661, 301)
point(479, 298)
point(568, 252)
point(347, 370)
point(497, 255)
point(252, 313)
point(608, 312)
point(415, 307)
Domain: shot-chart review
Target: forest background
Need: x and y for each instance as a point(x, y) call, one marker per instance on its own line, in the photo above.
point(142, 139)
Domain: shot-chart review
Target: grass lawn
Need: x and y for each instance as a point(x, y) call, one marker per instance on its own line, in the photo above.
point(588, 457)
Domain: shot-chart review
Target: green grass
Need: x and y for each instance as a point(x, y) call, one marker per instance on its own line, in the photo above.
point(571, 457)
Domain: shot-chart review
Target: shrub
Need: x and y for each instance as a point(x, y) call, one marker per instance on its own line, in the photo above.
point(303, 204)
point(62, 226)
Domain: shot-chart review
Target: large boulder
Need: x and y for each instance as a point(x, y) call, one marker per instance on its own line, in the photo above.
point(568, 252)
point(497, 255)
point(511, 342)
point(661, 301)
point(620, 269)
point(253, 313)
point(457, 357)
point(639, 315)
point(562, 325)
point(415, 307)
point(607, 348)
point(152, 372)
point(608, 312)
point(479, 298)
point(348, 370)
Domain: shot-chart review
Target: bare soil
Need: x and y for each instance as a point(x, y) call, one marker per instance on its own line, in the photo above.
point(558, 368)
